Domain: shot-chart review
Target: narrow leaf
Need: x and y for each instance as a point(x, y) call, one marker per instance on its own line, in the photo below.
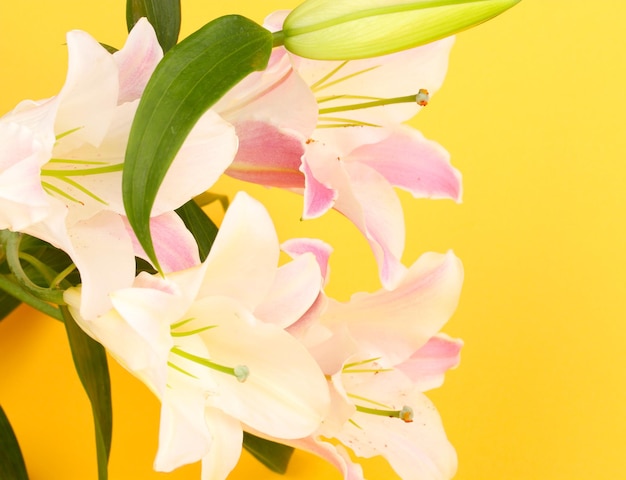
point(274, 456)
point(91, 365)
point(11, 461)
point(200, 225)
point(187, 82)
point(163, 15)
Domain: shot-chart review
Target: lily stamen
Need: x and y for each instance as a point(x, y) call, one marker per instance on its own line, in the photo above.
point(421, 98)
point(405, 413)
point(240, 372)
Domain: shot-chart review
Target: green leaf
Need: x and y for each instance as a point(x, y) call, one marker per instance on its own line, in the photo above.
point(200, 225)
point(194, 75)
point(12, 464)
point(163, 15)
point(91, 365)
point(8, 303)
point(274, 456)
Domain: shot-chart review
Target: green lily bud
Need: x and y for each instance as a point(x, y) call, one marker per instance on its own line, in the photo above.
point(352, 29)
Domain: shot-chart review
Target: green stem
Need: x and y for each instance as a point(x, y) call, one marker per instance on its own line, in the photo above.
point(18, 292)
point(12, 248)
point(278, 39)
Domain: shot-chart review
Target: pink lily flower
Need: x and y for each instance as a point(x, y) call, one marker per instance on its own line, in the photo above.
point(380, 351)
point(62, 159)
point(197, 339)
point(292, 136)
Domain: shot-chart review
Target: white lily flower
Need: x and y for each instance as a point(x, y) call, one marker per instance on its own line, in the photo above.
point(196, 339)
point(62, 159)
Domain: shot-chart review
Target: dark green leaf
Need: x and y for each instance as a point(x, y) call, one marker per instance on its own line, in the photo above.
point(163, 15)
point(8, 303)
point(200, 225)
point(274, 456)
point(187, 82)
point(12, 464)
point(91, 365)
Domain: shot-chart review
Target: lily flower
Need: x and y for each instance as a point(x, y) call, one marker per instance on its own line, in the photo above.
point(62, 161)
point(329, 131)
point(380, 351)
point(196, 339)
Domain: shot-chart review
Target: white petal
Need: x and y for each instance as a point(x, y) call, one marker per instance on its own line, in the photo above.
point(90, 92)
point(226, 448)
point(285, 394)
point(296, 286)
point(243, 260)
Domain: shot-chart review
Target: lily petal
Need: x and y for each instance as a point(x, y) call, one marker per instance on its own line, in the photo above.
point(90, 69)
point(285, 394)
point(137, 60)
point(226, 448)
point(237, 267)
point(394, 324)
point(175, 246)
point(408, 160)
point(296, 286)
point(268, 155)
point(427, 366)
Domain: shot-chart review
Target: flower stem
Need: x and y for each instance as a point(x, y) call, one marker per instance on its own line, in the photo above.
point(278, 38)
point(11, 242)
point(15, 290)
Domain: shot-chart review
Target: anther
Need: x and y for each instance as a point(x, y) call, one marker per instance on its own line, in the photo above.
point(422, 97)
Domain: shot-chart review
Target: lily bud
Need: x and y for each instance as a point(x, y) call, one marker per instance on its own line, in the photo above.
point(352, 29)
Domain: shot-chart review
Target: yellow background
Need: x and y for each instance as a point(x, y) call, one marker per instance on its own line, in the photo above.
point(533, 113)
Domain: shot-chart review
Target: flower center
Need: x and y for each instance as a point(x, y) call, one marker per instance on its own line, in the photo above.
point(63, 175)
point(240, 372)
point(405, 413)
point(350, 103)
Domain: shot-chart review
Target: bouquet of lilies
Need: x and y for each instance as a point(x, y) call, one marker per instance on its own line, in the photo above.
point(101, 195)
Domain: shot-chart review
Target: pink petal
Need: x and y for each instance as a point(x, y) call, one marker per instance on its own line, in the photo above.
point(319, 196)
point(377, 212)
point(300, 246)
point(268, 155)
point(175, 247)
point(394, 324)
point(137, 60)
point(409, 161)
point(427, 366)
point(364, 197)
